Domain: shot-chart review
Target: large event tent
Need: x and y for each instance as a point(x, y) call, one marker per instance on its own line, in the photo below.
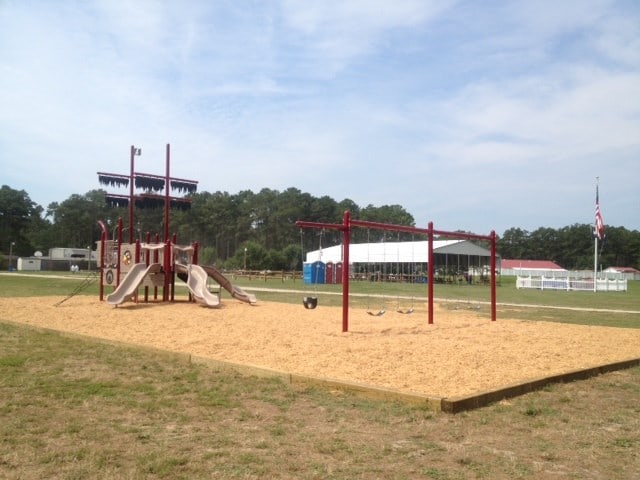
point(397, 252)
point(457, 255)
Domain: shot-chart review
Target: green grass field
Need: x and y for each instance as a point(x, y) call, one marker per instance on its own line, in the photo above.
point(74, 408)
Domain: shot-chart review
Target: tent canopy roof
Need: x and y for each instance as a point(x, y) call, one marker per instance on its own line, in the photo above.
point(396, 252)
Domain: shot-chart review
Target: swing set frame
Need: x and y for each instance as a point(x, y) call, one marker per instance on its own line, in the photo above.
point(346, 227)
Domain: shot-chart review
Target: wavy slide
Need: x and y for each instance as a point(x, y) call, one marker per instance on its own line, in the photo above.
point(197, 283)
point(129, 286)
point(236, 292)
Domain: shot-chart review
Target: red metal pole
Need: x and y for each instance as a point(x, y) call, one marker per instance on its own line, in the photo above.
point(333, 226)
point(131, 202)
point(119, 250)
point(103, 239)
point(174, 241)
point(148, 262)
point(167, 270)
point(493, 275)
point(388, 226)
point(167, 203)
point(136, 257)
point(346, 239)
point(156, 260)
point(430, 275)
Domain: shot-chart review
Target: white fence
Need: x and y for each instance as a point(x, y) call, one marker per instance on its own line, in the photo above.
point(568, 283)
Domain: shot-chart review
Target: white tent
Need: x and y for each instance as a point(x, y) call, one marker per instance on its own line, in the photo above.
point(396, 252)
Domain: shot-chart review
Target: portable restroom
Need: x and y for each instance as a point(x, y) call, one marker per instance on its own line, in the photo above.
point(313, 272)
point(329, 273)
point(338, 272)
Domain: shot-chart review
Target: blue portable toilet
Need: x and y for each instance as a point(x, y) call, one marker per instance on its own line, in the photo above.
point(307, 276)
point(313, 272)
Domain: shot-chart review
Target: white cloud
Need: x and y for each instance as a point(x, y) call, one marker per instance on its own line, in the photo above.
point(337, 32)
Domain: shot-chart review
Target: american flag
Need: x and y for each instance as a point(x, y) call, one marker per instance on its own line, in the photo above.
point(599, 230)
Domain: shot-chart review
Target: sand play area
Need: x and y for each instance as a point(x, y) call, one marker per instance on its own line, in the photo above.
point(462, 353)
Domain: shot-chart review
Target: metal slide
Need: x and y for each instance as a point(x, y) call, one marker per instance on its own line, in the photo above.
point(236, 292)
point(197, 283)
point(129, 286)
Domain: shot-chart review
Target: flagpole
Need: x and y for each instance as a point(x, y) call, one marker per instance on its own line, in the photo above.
point(595, 264)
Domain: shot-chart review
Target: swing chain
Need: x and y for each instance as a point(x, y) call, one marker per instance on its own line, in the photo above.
point(309, 302)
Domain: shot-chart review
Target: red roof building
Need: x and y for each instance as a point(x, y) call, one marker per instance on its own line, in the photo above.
point(530, 267)
point(627, 272)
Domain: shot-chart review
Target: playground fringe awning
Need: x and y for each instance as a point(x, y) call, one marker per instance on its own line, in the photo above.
point(184, 185)
point(157, 201)
point(155, 184)
point(148, 201)
point(113, 180)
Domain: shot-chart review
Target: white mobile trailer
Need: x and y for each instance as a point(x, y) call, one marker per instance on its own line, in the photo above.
point(59, 253)
point(29, 264)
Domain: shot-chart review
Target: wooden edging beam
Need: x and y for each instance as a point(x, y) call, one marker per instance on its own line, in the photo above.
point(445, 404)
point(481, 399)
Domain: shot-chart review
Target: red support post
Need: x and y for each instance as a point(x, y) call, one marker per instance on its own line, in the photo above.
point(346, 239)
point(493, 275)
point(430, 274)
point(174, 241)
point(147, 262)
point(131, 199)
point(119, 250)
point(103, 240)
point(137, 252)
point(167, 202)
point(136, 259)
point(156, 260)
point(167, 270)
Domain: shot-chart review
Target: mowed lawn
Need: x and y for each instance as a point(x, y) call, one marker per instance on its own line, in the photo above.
point(77, 408)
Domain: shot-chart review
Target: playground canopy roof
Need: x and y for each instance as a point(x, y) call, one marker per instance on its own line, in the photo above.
point(396, 252)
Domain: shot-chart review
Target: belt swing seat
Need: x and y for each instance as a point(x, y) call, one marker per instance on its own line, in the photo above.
point(311, 302)
point(408, 311)
point(382, 310)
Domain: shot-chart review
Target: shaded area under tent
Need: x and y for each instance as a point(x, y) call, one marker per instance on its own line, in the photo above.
point(455, 261)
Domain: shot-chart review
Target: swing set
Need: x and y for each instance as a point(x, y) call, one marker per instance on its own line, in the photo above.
point(346, 227)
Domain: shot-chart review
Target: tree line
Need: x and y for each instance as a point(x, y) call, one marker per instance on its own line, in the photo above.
point(257, 230)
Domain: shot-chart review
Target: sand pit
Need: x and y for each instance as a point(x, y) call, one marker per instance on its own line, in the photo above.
point(461, 354)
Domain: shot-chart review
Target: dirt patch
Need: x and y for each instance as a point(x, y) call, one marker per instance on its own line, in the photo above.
point(462, 353)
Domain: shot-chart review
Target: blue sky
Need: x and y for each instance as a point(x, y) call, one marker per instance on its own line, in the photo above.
point(473, 115)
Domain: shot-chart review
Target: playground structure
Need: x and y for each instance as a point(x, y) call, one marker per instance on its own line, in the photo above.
point(348, 223)
point(127, 267)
